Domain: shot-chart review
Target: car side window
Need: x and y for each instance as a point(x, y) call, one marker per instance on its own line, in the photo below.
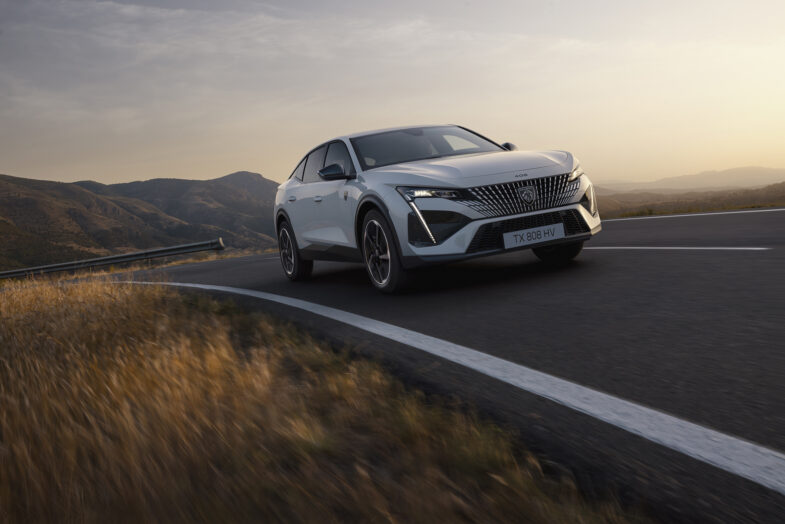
point(337, 153)
point(313, 164)
point(298, 171)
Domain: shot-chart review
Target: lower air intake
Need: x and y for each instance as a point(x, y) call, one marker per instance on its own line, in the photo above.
point(490, 236)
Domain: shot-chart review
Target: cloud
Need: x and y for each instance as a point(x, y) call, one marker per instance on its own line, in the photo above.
point(67, 61)
point(181, 86)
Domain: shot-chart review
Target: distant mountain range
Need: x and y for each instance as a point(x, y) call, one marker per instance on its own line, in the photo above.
point(44, 222)
point(736, 178)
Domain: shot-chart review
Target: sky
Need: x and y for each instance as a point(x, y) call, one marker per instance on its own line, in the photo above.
point(115, 91)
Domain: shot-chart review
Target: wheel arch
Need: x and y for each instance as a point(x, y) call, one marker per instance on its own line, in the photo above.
point(280, 217)
point(368, 203)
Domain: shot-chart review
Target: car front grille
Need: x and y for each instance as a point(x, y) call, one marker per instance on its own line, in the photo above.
point(497, 200)
point(489, 237)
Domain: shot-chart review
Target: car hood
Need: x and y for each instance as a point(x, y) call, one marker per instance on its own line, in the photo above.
point(483, 168)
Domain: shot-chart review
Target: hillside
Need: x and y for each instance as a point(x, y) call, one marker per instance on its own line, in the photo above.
point(44, 222)
point(241, 202)
point(736, 178)
point(647, 203)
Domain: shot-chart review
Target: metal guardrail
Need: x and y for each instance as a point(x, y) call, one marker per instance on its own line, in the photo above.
point(216, 245)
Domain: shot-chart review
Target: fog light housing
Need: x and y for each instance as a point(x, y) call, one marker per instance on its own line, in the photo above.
point(589, 201)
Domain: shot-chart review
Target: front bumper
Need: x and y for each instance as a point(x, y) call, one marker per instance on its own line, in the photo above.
point(485, 236)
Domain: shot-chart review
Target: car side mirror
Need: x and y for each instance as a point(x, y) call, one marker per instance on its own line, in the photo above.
point(509, 147)
point(333, 172)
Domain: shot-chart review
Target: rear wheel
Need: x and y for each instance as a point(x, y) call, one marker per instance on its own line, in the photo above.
point(293, 264)
point(380, 254)
point(560, 254)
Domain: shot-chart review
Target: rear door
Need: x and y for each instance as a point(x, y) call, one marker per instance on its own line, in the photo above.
point(300, 205)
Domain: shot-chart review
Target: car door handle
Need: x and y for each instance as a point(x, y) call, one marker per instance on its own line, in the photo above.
point(292, 198)
point(317, 199)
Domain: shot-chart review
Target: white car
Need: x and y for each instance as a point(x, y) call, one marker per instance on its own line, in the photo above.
point(396, 199)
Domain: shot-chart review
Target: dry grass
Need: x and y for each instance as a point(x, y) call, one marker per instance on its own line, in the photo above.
point(132, 403)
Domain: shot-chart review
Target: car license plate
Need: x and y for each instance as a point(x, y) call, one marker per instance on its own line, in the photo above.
point(535, 235)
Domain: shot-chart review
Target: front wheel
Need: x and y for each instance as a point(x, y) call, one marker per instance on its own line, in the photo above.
point(560, 254)
point(380, 254)
point(293, 264)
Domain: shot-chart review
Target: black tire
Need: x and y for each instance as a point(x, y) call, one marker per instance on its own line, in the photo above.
point(380, 254)
point(294, 266)
point(560, 254)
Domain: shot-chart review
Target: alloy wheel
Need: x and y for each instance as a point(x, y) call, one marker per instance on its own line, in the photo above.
point(376, 249)
point(286, 250)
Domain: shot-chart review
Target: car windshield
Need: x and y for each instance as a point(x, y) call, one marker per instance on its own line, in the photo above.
point(419, 143)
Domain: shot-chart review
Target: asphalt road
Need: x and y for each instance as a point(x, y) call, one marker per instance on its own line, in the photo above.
point(695, 333)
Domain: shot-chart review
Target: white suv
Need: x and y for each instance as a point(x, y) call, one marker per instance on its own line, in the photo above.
point(400, 198)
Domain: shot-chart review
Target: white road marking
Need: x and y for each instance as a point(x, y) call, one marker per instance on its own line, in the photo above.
point(682, 248)
point(698, 214)
point(759, 464)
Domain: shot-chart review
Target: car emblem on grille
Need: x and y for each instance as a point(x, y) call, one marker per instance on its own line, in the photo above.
point(528, 194)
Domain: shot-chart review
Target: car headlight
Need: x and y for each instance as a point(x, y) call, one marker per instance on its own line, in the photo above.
point(576, 173)
point(411, 193)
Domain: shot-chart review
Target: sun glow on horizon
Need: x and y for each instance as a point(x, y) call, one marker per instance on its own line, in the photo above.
point(119, 91)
